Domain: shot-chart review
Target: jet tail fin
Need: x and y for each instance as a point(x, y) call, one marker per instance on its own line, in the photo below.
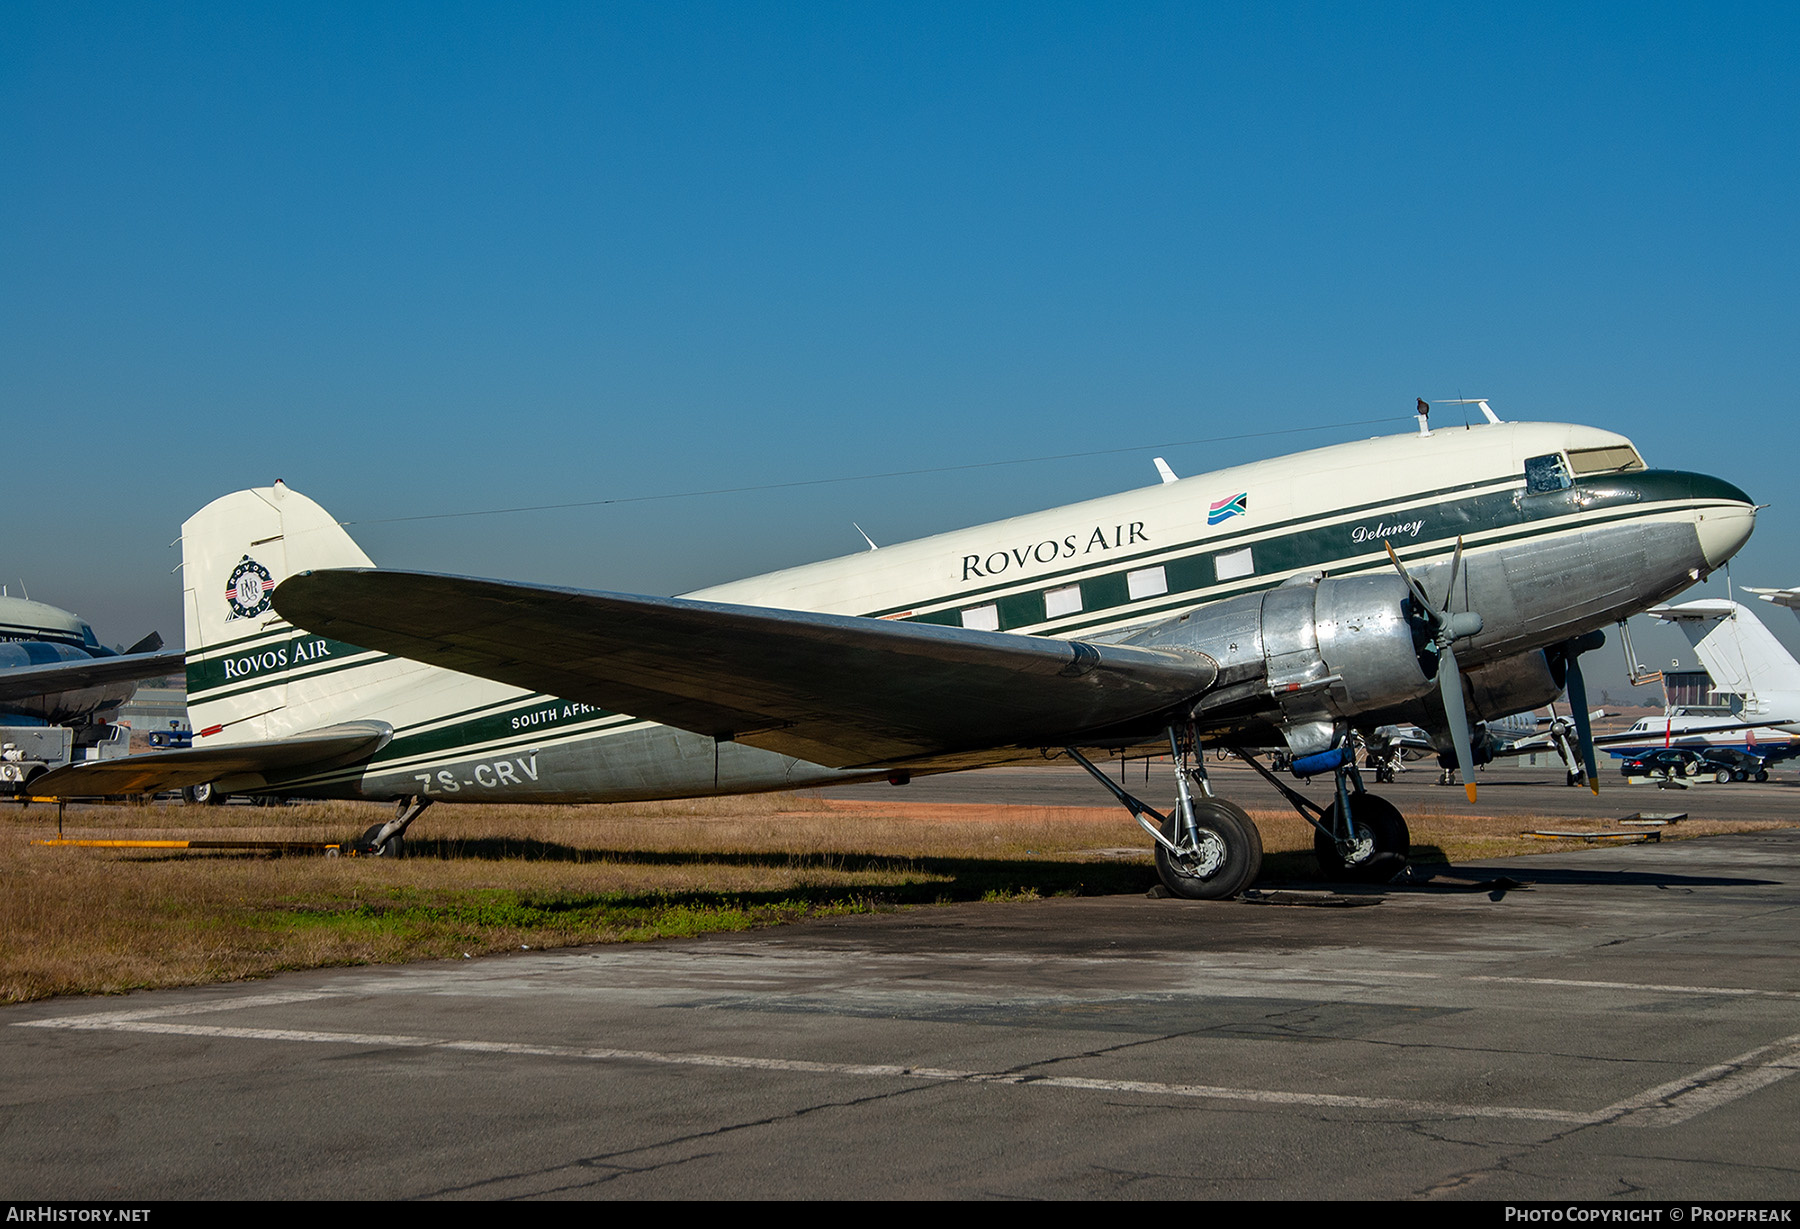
point(149, 644)
point(1741, 654)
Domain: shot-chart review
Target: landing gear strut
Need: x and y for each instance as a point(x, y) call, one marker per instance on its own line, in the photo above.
point(1360, 838)
point(1206, 848)
point(389, 840)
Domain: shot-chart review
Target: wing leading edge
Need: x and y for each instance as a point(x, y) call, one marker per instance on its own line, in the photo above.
point(837, 690)
point(27, 682)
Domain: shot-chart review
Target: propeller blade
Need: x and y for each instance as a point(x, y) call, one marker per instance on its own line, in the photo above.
point(1450, 687)
point(1455, 567)
point(1418, 590)
point(1584, 731)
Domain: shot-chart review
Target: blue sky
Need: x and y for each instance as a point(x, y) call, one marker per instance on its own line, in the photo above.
point(436, 257)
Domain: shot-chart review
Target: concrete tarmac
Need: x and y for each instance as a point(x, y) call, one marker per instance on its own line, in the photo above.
point(1501, 790)
point(1620, 1023)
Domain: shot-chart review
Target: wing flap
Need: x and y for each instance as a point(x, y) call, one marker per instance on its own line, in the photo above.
point(834, 689)
point(159, 770)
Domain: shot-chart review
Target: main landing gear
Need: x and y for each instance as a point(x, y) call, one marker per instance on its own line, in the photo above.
point(1360, 837)
point(1210, 849)
point(1206, 848)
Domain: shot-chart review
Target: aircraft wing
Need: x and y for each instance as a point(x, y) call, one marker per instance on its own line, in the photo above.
point(834, 689)
point(1604, 742)
point(26, 682)
point(159, 770)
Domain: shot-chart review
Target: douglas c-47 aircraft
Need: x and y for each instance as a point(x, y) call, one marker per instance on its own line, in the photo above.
point(1275, 606)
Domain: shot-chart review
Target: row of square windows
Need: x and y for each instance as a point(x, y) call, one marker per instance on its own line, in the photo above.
point(1142, 583)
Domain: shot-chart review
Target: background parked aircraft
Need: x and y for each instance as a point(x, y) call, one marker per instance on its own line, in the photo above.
point(1745, 660)
point(54, 670)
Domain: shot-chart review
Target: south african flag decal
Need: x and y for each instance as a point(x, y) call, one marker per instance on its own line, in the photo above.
point(1225, 509)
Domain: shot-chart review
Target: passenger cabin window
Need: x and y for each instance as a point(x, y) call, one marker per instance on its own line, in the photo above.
point(1617, 460)
point(1547, 473)
point(1237, 563)
point(1063, 601)
point(982, 618)
point(1146, 582)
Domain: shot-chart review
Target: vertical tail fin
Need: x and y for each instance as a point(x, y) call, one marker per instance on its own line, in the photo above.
point(1741, 654)
point(243, 658)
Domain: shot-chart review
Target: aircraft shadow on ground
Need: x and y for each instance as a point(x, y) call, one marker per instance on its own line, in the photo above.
point(936, 877)
point(931, 879)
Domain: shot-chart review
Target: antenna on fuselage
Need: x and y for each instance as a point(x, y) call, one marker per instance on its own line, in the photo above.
point(1487, 411)
point(1424, 417)
point(1162, 468)
point(865, 537)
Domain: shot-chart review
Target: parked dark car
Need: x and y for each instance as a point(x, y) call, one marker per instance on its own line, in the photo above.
point(1730, 764)
point(1670, 762)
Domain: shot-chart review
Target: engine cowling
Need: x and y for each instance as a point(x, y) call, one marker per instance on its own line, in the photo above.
point(1324, 650)
point(1498, 689)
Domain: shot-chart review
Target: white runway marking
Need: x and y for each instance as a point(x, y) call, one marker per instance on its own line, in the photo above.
point(1662, 1106)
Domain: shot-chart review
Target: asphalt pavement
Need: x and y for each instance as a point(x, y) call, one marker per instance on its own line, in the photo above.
point(1615, 1023)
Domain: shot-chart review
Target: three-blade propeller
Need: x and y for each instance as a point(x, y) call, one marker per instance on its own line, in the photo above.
point(1444, 629)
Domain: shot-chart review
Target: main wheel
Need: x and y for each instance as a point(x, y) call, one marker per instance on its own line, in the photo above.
point(1379, 849)
point(1228, 857)
point(204, 795)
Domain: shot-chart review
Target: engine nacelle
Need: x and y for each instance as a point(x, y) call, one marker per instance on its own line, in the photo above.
point(1511, 685)
point(1498, 689)
point(1323, 650)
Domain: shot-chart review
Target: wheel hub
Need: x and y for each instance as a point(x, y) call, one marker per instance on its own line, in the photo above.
point(1359, 849)
point(1206, 856)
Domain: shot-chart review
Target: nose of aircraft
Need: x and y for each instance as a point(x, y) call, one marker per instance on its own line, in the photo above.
point(1724, 521)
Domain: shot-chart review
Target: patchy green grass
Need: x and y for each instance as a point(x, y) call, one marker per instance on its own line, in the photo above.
point(483, 879)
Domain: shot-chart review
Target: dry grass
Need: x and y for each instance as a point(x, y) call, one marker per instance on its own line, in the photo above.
point(491, 878)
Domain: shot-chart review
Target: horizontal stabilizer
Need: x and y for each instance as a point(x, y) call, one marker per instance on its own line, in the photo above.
point(837, 690)
point(159, 770)
point(27, 682)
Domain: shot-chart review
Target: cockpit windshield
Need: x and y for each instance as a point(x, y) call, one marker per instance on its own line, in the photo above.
point(1547, 473)
point(1618, 459)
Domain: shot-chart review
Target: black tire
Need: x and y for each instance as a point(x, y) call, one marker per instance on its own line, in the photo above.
point(1231, 859)
point(203, 795)
point(393, 847)
point(1723, 776)
point(1763, 775)
point(1383, 827)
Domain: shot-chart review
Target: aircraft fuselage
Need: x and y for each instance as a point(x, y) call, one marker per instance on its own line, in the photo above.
point(1564, 531)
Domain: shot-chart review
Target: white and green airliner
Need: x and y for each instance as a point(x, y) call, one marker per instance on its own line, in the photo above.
point(1429, 578)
